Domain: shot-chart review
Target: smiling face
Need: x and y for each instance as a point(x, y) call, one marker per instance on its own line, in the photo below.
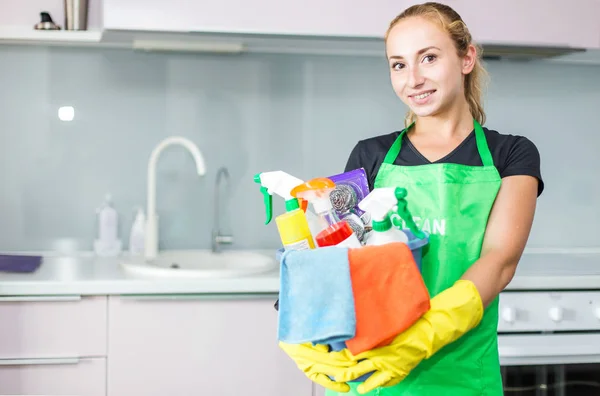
point(426, 71)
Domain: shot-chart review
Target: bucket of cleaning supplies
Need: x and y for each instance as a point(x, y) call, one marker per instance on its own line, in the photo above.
point(416, 246)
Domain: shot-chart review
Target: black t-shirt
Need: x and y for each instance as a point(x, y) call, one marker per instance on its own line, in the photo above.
point(512, 154)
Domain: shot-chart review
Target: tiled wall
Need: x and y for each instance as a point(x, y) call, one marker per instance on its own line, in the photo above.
point(250, 113)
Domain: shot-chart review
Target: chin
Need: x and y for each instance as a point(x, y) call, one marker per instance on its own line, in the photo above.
point(425, 111)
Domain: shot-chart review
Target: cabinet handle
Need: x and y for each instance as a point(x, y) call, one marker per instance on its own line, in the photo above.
point(39, 362)
point(182, 297)
point(38, 298)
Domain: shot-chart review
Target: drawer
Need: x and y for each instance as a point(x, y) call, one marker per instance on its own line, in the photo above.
point(53, 377)
point(53, 327)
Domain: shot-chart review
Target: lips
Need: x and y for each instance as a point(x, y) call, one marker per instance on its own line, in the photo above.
point(422, 95)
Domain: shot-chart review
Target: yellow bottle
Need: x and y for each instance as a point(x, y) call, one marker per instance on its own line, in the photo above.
point(294, 231)
point(293, 228)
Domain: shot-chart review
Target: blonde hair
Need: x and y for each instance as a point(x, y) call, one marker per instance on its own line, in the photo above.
point(453, 24)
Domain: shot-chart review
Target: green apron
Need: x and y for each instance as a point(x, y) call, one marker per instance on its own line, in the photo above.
point(452, 202)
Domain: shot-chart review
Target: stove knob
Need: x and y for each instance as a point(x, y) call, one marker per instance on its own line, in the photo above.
point(556, 314)
point(509, 314)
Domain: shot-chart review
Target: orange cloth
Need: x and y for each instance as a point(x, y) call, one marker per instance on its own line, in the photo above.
point(389, 294)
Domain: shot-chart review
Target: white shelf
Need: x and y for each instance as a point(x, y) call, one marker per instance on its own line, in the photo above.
point(23, 35)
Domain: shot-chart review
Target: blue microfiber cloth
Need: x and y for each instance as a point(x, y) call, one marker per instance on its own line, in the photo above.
point(316, 303)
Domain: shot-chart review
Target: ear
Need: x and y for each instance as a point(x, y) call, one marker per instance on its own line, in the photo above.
point(468, 61)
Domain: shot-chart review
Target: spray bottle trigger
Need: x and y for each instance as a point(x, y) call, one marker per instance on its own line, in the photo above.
point(405, 214)
point(268, 201)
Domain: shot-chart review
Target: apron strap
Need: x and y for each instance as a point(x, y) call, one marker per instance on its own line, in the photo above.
point(394, 151)
point(482, 146)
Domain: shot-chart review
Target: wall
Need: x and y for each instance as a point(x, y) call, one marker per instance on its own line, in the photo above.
point(250, 113)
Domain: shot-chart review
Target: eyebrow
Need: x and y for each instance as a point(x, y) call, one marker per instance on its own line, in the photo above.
point(420, 52)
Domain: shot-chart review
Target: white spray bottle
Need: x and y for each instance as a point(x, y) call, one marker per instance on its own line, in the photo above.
point(379, 203)
point(293, 226)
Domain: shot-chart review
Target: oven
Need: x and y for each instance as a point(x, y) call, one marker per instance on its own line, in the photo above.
point(549, 342)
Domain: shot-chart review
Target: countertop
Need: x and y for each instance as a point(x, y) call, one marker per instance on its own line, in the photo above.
point(85, 274)
point(88, 275)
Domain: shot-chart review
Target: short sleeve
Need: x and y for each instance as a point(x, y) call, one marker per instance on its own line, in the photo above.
point(354, 160)
point(364, 156)
point(523, 159)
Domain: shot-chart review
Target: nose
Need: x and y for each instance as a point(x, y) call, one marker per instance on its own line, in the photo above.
point(415, 77)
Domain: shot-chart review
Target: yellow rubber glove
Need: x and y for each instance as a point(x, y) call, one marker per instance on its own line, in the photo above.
point(319, 364)
point(453, 313)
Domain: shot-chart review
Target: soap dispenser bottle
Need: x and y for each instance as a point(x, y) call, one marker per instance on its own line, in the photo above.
point(108, 243)
point(137, 235)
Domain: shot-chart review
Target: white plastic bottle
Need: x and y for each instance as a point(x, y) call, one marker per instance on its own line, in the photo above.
point(137, 235)
point(108, 243)
point(379, 203)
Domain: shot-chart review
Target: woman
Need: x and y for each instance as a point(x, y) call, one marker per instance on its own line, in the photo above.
point(481, 185)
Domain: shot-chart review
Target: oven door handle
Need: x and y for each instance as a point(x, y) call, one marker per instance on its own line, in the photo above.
point(536, 349)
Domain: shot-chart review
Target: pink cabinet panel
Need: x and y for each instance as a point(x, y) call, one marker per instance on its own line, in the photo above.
point(318, 390)
point(86, 377)
point(309, 17)
point(515, 22)
point(532, 22)
point(193, 346)
point(53, 327)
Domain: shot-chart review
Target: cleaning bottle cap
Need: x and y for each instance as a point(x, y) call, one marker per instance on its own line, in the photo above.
point(316, 191)
point(379, 203)
point(280, 183)
point(334, 234)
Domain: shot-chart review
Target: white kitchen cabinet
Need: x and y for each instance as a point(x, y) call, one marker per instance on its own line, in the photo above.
point(53, 377)
point(557, 23)
point(191, 345)
point(532, 22)
point(53, 327)
point(309, 17)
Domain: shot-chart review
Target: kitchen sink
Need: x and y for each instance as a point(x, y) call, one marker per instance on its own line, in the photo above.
point(201, 264)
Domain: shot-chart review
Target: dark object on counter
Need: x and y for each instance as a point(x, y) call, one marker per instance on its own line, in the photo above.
point(19, 263)
point(46, 22)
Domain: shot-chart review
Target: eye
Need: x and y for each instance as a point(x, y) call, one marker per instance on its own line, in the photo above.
point(429, 58)
point(397, 65)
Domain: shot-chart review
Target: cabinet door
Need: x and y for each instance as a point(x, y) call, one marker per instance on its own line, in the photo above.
point(53, 377)
point(318, 390)
point(508, 22)
point(194, 346)
point(309, 17)
point(557, 23)
point(52, 326)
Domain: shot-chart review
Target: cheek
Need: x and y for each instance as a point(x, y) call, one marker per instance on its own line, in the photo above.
point(449, 78)
point(398, 82)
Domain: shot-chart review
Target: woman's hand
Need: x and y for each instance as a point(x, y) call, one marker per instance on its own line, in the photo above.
point(319, 364)
point(453, 313)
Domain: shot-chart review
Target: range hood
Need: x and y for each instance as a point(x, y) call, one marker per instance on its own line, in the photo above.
point(308, 45)
point(498, 51)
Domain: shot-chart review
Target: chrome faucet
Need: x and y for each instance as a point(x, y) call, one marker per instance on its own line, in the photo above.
point(219, 239)
point(151, 237)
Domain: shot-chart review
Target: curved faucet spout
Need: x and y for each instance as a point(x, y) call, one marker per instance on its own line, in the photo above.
point(151, 237)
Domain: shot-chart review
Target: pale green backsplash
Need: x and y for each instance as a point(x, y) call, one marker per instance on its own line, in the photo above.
point(250, 113)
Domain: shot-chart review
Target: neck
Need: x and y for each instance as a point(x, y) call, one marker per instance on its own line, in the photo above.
point(456, 121)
